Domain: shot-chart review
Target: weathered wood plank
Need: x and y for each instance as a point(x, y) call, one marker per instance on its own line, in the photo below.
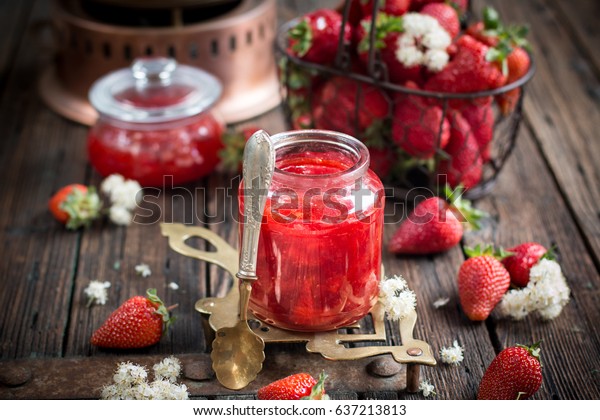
point(562, 113)
point(525, 206)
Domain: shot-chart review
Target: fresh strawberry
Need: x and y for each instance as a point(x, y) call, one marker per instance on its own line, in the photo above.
point(419, 127)
point(446, 15)
point(349, 106)
point(518, 62)
point(464, 165)
point(435, 225)
point(524, 256)
point(388, 31)
point(300, 386)
point(482, 281)
point(138, 322)
point(481, 120)
point(234, 141)
point(468, 71)
point(316, 36)
point(461, 6)
point(75, 205)
point(389, 7)
point(514, 374)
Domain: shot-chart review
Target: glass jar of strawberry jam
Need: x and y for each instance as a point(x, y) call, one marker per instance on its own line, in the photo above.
point(155, 120)
point(319, 253)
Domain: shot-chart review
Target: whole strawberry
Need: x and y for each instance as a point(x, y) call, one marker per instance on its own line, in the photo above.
point(524, 256)
point(419, 127)
point(446, 15)
point(300, 386)
point(75, 206)
point(349, 106)
point(481, 120)
point(138, 322)
point(390, 7)
point(464, 162)
point(482, 281)
point(518, 62)
point(316, 36)
point(435, 225)
point(514, 374)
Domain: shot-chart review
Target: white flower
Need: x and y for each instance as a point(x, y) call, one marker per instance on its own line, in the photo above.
point(130, 382)
point(424, 42)
point(143, 270)
point(452, 355)
point(546, 293)
point(126, 194)
point(96, 292)
point(427, 388)
point(398, 301)
point(441, 302)
point(120, 215)
point(173, 286)
point(111, 182)
point(168, 369)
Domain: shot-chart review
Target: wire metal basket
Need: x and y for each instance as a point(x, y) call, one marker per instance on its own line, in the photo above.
point(396, 157)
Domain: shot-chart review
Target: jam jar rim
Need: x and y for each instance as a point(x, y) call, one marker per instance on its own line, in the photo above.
point(335, 138)
point(102, 91)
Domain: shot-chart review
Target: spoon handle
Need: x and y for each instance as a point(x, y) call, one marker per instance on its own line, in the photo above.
point(258, 167)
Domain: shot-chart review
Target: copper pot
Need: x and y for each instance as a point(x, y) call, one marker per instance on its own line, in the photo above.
point(236, 46)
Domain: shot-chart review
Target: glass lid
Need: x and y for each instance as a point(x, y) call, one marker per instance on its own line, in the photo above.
point(155, 90)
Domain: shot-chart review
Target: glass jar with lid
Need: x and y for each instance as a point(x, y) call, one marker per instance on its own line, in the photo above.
point(319, 252)
point(155, 121)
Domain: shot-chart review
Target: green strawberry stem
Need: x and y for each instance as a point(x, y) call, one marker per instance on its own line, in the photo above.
point(318, 390)
point(384, 25)
point(82, 208)
point(464, 208)
point(549, 254)
point(161, 310)
point(489, 250)
point(303, 34)
point(534, 349)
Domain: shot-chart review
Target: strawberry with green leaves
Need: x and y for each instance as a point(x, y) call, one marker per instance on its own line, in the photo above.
point(75, 206)
point(299, 386)
point(139, 322)
point(472, 69)
point(520, 260)
point(482, 281)
point(514, 374)
point(435, 225)
point(316, 36)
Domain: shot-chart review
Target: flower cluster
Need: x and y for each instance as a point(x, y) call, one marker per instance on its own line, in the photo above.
point(130, 382)
point(546, 293)
point(424, 42)
point(397, 299)
point(124, 196)
point(427, 388)
point(143, 270)
point(452, 355)
point(96, 292)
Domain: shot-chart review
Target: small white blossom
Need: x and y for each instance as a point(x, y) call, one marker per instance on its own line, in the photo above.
point(143, 270)
point(427, 388)
point(173, 286)
point(130, 382)
point(126, 194)
point(424, 42)
point(441, 302)
point(398, 301)
point(168, 369)
point(96, 292)
point(120, 215)
point(452, 355)
point(111, 182)
point(546, 293)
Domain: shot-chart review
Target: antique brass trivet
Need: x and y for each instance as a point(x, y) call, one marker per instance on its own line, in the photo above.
point(223, 312)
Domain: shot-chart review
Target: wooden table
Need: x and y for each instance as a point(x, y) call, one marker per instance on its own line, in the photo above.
point(549, 192)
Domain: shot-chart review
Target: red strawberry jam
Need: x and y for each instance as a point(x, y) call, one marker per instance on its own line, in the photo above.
point(319, 254)
point(155, 122)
